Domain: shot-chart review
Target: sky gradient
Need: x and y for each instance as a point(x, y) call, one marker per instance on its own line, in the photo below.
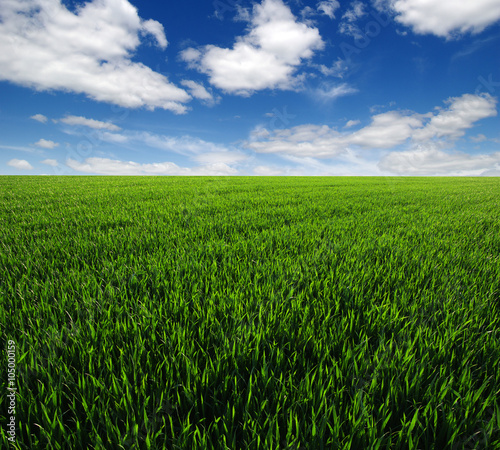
point(235, 87)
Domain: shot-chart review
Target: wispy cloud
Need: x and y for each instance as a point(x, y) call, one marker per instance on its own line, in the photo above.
point(328, 7)
point(19, 148)
point(351, 16)
point(90, 123)
point(330, 92)
point(50, 162)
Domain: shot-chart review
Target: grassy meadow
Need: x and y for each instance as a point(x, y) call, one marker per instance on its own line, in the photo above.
point(251, 313)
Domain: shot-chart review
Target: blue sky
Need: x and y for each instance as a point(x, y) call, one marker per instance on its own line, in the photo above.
point(237, 87)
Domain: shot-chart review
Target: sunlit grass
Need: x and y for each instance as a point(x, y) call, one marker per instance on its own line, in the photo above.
point(198, 313)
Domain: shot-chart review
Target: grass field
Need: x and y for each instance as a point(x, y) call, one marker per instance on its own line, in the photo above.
point(252, 313)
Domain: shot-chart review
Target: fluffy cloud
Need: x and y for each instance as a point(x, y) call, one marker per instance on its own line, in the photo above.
point(20, 164)
point(386, 131)
point(446, 17)
point(39, 118)
point(106, 166)
point(44, 143)
point(429, 160)
point(91, 123)
point(46, 46)
point(266, 57)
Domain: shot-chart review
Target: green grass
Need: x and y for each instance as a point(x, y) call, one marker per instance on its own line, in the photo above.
point(252, 313)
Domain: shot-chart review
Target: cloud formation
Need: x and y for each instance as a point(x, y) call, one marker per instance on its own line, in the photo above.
point(106, 166)
point(329, 92)
point(20, 164)
point(197, 90)
point(267, 57)
point(183, 145)
point(445, 18)
point(91, 123)
point(39, 118)
point(44, 143)
point(50, 162)
point(433, 161)
point(351, 16)
point(387, 130)
point(45, 46)
point(461, 115)
point(328, 7)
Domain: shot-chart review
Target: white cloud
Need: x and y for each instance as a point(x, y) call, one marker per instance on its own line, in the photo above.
point(352, 123)
point(184, 145)
point(478, 138)
point(355, 12)
point(199, 91)
point(191, 56)
point(267, 171)
point(18, 148)
point(267, 57)
point(44, 143)
point(50, 162)
point(337, 69)
point(226, 157)
point(39, 118)
point(304, 140)
point(348, 164)
point(351, 16)
point(91, 123)
point(446, 18)
point(106, 166)
point(45, 46)
point(386, 131)
point(155, 29)
point(328, 92)
point(328, 7)
point(429, 160)
point(20, 164)
point(461, 115)
point(115, 138)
